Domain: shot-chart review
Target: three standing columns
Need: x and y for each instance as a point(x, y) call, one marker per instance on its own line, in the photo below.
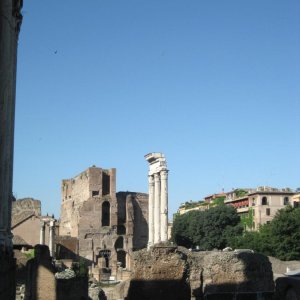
point(51, 225)
point(158, 199)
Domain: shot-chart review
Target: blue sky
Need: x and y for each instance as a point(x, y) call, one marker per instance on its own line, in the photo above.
point(214, 85)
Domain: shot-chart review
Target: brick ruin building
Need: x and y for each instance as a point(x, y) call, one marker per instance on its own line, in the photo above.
point(105, 226)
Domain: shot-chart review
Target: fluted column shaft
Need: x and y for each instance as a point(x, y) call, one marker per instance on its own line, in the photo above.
point(151, 211)
point(164, 206)
point(156, 208)
point(51, 237)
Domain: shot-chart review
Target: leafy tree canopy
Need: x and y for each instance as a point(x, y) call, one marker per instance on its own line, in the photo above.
point(279, 238)
point(209, 229)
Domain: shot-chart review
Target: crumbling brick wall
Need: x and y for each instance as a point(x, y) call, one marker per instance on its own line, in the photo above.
point(167, 272)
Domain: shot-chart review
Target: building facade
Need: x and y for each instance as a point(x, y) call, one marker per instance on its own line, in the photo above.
point(260, 204)
point(108, 225)
point(29, 224)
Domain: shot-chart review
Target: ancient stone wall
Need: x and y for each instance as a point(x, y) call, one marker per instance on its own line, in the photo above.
point(136, 212)
point(72, 289)
point(94, 237)
point(40, 282)
point(25, 205)
point(140, 232)
point(93, 182)
point(66, 247)
point(167, 272)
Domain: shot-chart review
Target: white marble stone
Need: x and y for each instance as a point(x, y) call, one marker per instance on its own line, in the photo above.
point(151, 211)
point(158, 198)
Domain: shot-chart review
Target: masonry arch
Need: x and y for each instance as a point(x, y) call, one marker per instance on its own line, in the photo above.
point(106, 213)
point(264, 201)
point(119, 244)
point(121, 258)
point(286, 201)
point(121, 229)
point(105, 254)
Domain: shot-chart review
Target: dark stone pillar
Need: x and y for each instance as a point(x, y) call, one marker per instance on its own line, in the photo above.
point(10, 22)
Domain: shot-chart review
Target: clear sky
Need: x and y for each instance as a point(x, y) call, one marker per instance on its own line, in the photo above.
point(214, 85)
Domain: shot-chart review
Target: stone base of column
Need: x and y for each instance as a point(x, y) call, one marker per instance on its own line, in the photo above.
point(7, 276)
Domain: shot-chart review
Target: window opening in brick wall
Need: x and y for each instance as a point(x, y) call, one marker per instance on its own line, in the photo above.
point(106, 213)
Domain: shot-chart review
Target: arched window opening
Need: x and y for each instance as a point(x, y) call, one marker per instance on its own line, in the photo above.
point(264, 201)
point(105, 184)
point(106, 255)
point(121, 229)
point(121, 258)
point(286, 201)
point(119, 244)
point(105, 213)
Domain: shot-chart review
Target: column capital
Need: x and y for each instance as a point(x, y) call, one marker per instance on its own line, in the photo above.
point(156, 176)
point(150, 179)
point(164, 174)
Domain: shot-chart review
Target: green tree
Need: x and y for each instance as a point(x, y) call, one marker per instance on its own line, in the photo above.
point(279, 238)
point(180, 229)
point(285, 233)
point(247, 219)
point(209, 229)
point(218, 200)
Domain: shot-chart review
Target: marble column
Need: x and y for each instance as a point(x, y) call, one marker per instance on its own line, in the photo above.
point(51, 237)
point(164, 206)
point(10, 22)
point(42, 233)
point(151, 211)
point(156, 208)
point(158, 198)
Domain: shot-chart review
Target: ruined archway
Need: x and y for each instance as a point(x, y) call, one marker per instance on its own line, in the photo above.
point(105, 254)
point(106, 213)
point(264, 201)
point(119, 244)
point(121, 229)
point(121, 258)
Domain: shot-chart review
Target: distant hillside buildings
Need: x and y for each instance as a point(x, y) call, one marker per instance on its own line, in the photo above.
point(255, 206)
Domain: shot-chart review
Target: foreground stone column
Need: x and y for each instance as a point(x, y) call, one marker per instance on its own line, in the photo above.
point(164, 206)
point(150, 211)
point(156, 208)
point(10, 21)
